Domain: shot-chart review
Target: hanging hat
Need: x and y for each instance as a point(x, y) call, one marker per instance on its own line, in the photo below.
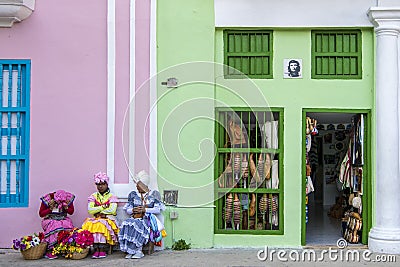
point(143, 177)
point(340, 127)
point(356, 202)
point(351, 197)
point(101, 177)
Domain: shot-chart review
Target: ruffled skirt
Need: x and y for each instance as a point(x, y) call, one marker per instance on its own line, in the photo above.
point(106, 227)
point(51, 228)
point(133, 235)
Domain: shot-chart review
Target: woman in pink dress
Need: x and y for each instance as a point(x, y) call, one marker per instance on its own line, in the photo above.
point(54, 210)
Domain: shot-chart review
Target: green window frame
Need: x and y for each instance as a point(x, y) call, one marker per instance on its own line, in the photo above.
point(336, 54)
point(248, 52)
point(237, 192)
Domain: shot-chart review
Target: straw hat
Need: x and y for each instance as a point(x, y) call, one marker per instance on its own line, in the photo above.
point(356, 202)
point(351, 197)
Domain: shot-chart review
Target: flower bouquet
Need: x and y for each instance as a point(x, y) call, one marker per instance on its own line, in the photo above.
point(32, 247)
point(73, 244)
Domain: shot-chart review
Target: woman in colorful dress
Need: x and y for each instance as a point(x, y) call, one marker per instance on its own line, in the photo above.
point(103, 206)
point(135, 231)
point(54, 210)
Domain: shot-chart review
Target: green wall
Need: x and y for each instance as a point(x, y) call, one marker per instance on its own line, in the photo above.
point(185, 33)
point(185, 149)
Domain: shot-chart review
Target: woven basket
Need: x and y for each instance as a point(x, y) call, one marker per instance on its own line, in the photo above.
point(79, 256)
point(35, 253)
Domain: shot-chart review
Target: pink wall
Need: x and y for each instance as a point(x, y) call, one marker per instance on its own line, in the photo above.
point(66, 41)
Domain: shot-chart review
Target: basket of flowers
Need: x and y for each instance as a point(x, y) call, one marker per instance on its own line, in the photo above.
point(73, 244)
point(32, 247)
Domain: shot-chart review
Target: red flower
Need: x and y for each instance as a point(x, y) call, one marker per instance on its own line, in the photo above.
point(63, 236)
point(41, 236)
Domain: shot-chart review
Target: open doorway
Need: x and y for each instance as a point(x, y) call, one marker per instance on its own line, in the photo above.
point(336, 175)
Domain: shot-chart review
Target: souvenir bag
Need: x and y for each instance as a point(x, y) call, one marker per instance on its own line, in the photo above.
point(228, 208)
point(354, 225)
point(309, 185)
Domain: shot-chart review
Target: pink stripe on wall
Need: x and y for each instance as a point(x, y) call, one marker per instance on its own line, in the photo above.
point(122, 74)
point(142, 84)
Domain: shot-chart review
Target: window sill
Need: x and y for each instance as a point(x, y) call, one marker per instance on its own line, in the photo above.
point(15, 11)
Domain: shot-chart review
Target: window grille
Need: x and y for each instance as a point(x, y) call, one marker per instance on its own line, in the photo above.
point(336, 54)
point(249, 53)
point(14, 144)
point(249, 172)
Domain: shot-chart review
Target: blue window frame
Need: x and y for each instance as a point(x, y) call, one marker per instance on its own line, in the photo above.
point(14, 138)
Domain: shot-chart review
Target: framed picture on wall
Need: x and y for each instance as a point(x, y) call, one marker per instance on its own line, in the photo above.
point(292, 68)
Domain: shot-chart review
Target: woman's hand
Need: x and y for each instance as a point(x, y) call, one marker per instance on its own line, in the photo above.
point(52, 204)
point(100, 215)
point(139, 209)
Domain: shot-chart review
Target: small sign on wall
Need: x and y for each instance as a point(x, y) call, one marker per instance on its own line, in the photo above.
point(171, 197)
point(292, 68)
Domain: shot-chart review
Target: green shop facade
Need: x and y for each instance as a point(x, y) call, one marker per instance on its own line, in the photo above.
point(239, 135)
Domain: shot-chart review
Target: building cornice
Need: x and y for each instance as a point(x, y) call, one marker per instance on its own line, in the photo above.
point(385, 18)
point(15, 11)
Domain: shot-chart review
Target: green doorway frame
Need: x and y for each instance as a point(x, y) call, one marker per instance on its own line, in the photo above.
point(367, 193)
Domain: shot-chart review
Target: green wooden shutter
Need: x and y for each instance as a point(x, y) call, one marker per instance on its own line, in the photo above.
point(249, 53)
point(336, 54)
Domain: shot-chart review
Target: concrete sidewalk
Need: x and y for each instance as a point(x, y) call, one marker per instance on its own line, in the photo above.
point(214, 257)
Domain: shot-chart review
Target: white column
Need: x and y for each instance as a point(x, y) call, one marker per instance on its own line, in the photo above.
point(384, 237)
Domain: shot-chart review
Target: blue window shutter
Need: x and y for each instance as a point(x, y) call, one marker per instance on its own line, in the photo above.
point(14, 138)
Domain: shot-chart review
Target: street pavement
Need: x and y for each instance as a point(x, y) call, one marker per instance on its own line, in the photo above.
point(319, 256)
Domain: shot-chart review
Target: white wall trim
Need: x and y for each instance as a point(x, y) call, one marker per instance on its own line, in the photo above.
point(153, 90)
point(132, 89)
point(292, 13)
point(122, 190)
point(110, 88)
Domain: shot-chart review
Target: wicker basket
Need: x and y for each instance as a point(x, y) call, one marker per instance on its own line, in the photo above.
point(35, 253)
point(79, 256)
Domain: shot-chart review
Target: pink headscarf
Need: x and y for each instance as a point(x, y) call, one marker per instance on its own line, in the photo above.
point(63, 197)
point(101, 177)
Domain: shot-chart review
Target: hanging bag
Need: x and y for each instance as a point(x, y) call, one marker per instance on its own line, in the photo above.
point(309, 185)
